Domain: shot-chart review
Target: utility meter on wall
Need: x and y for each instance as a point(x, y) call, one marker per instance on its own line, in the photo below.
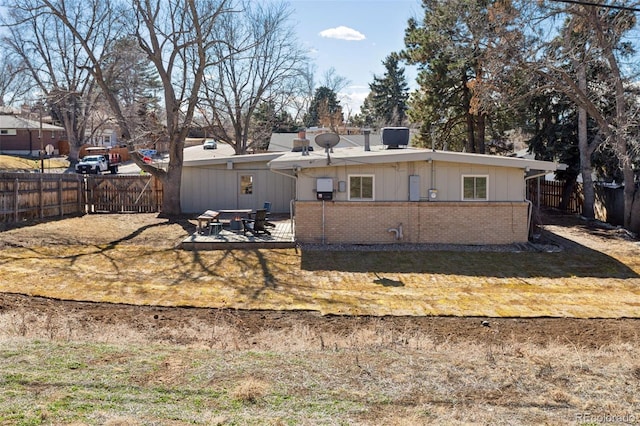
point(324, 188)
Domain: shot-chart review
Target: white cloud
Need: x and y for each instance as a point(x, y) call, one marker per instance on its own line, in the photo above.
point(343, 33)
point(352, 99)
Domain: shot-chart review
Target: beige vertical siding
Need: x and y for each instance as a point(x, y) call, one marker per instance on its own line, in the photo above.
point(215, 187)
point(392, 180)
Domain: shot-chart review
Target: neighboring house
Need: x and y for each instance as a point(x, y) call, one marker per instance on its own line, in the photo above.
point(409, 195)
point(21, 136)
point(227, 181)
point(104, 137)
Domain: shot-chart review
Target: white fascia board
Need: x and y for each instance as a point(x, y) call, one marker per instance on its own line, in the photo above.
point(222, 159)
point(346, 156)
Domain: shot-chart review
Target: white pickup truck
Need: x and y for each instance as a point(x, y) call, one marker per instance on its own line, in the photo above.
point(99, 159)
point(93, 164)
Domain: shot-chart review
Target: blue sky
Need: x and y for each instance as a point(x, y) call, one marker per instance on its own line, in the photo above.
point(354, 37)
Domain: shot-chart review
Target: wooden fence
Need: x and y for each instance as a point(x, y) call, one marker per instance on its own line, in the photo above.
point(608, 203)
point(28, 196)
point(549, 194)
point(124, 193)
point(25, 196)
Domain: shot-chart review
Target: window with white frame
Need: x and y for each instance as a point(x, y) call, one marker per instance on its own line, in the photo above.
point(475, 188)
point(361, 187)
point(246, 184)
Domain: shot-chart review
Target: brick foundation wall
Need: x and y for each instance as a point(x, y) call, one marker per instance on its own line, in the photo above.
point(428, 222)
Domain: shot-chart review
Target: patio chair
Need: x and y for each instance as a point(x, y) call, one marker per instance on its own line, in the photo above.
point(258, 224)
point(267, 207)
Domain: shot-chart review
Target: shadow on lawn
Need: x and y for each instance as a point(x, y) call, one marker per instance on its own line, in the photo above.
point(574, 260)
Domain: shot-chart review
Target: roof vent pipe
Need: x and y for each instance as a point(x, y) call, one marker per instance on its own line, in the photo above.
point(367, 145)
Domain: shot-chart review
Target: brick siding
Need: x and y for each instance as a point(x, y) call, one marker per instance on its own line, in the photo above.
point(426, 222)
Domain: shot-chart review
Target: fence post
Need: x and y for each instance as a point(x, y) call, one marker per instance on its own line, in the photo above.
point(16, 192)
point(158, 191)
point(60, 196)
point(81, 198)
point(40, 198)
point(538, 189)
point(90, 198)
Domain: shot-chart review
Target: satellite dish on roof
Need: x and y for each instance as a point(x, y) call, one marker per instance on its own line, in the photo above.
point(327, 141)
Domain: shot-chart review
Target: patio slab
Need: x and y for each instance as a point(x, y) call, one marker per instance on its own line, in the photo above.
point(282, 236)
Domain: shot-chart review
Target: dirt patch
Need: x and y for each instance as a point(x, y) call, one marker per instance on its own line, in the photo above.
point(30, 316)
point(39, 317)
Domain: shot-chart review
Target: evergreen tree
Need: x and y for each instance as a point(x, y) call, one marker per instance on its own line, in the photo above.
point(554, 124)
point(389, 94)
point(266, 121)
point(584, 62)
point(325, 109)
point(451, 45)
point(131, 77)
point(366, 118)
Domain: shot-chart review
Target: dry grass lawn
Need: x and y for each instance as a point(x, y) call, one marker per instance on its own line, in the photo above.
point(12, 163)
point(132, 259)
point(72, 363)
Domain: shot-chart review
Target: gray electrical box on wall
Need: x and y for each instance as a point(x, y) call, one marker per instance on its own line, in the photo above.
point(414, 188)
point(324, 188)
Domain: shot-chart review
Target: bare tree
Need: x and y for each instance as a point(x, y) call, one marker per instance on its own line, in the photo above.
point(14, 81)
point(302, 95)
point(334, 81)
point(594, 37)
point(177, 37)
point(56, 66)
point(578, 50)
point(262, 61)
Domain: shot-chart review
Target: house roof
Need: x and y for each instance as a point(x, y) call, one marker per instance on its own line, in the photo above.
point(283, 142)
point(355, 154)
point(280, 143)
point(226, 155)
point(379, 155)
point(16, 122)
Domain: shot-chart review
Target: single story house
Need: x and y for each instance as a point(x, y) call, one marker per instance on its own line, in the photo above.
point(372, 194)
point(218, 179)
point(21, 136)
point(380, 195)
point(227, 181)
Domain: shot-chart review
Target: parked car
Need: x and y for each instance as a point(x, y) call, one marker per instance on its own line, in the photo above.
point(98, 160)
point(93, 164)
point(210, 144)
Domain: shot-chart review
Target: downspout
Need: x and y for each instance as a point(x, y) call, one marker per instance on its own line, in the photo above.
point(433, 173)
point(323, 222)
point(529, 202)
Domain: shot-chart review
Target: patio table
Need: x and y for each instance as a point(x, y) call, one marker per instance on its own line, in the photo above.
point(206, 218)
point(234, 223)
